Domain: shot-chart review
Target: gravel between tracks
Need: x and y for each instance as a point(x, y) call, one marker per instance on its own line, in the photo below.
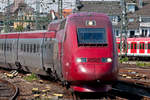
point(26, 87)
point(47, 90)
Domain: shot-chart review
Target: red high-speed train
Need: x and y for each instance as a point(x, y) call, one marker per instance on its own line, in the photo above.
point(79, 50)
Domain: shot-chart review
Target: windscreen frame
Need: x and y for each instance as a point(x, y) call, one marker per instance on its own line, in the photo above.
point(101, 42)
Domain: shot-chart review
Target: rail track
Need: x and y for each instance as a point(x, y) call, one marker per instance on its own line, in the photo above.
point(8, 91)
point(122, 89)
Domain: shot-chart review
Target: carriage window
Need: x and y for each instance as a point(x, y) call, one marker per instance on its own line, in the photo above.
point(10, 47)
point(131, 45)
point(25, 46)
point(34, 48)
point(28, 48)
point(31, 48)
point(2, 46)
point(49, 46)
point(141, 45)
point(135, 46)
point(38, 47)
point(148, 45)
point(7, 46)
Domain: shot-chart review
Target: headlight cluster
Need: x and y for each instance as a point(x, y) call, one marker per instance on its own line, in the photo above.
point(105, 60)
point(79, 60)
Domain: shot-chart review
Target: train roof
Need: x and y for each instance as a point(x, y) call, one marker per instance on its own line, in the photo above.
point(37, 31)
point(142, 39)
point(139, 39)
point(83, 14)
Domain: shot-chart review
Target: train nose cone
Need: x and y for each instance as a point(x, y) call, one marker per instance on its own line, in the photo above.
point(86, 72)
point(104, 72)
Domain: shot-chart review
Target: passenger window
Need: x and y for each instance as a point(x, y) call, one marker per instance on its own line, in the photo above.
point(49, 46)
point(10, 47)
point(38, 47)
point(141, 45)
point(7, 46)
point(34, 48)
point(24, 47)
point(2, 46)
point(148, 45)
point(28, 48)
point(131, 45)
point(135, 46)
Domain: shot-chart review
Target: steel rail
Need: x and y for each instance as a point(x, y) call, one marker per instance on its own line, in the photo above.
point(12, 90)
point(126, 87)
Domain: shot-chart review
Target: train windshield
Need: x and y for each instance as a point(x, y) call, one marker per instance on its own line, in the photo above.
point(91, 36)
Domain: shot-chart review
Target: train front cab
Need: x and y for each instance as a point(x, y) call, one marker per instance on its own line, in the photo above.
point(89, 51)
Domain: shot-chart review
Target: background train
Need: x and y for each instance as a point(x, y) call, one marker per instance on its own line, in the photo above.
point(79, 50)
point(136, 47)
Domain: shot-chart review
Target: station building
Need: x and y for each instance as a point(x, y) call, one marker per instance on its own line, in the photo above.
point(138, 16)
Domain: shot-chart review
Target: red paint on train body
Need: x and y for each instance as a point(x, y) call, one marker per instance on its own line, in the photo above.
point(93, 69)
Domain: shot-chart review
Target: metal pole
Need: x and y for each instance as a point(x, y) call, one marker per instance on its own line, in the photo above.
point(37, 14)
point(122, 2)
point(123, 28)
point(60, 8)
point(7, 18)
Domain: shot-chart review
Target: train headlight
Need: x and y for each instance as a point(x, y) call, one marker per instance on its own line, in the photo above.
point(109, 60)
point(90, 22)
point(79, 60)
point(106, 60)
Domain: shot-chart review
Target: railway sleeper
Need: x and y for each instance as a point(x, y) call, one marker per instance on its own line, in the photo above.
point(133, 89)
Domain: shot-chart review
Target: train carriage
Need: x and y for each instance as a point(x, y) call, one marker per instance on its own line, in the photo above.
point(28, 50)
point(136, 47)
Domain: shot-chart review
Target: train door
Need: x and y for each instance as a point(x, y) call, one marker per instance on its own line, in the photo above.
point(148, 49)
point(47, 51)
point(11, 50)
point(133, 47)
point(2, 50)
point(142, 47)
